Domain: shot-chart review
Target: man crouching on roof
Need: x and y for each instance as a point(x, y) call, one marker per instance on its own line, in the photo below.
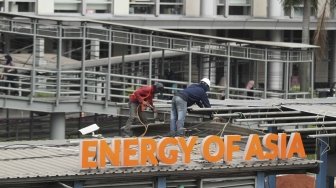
point(142, 97)
point(195, 93)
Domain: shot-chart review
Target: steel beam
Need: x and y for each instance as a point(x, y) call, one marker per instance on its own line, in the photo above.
point(257, 114)
point(279, 118)
point(310, 129)
point(322, 135)
point(298, 124)
point(234, 108)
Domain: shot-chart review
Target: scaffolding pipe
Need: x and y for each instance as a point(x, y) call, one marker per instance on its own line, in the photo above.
point(322, 135)
point(256, 114)
point(233, 108)
point(299, 124)
point(279, 118)
point(119, 59)
point(311, 129)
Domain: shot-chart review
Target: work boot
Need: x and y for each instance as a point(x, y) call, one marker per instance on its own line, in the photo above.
point(126, 131)
point(170, 134)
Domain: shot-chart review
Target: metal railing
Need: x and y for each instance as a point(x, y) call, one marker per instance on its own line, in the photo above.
point(97, 88)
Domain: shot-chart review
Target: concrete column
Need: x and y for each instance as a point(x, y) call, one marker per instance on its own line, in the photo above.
point(6, 6)
point(275, 9)
point(39, 58)
point(57, 128)
point(40, 52)
point(83, 11)
point(208, 8)
point(94, 51)
point(275, 69)
point(94, 54)
point(157, 8)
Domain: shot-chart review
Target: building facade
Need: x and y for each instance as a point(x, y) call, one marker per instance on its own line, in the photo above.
point(264, 20)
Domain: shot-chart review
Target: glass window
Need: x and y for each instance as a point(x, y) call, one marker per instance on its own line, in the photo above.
point(220, 7)
point(98, 6)
point(142, 7)
point(171, 7)
point(68, 6)
point(20, 6)
point(297, 11)
point(240, 7)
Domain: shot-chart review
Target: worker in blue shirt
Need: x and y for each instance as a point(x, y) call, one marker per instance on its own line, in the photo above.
point(194, 94)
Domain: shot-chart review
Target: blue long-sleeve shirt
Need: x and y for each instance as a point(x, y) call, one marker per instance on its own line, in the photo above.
point(196, 93)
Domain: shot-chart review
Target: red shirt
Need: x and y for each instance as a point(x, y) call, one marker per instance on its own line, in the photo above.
point(144, 93)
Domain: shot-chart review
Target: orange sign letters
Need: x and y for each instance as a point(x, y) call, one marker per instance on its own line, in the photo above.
point(144, 151)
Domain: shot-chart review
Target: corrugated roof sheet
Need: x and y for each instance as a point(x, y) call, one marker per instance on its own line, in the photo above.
point(27, 162)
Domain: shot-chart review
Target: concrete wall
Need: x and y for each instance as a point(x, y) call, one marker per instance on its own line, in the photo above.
point(192, 8)
point(121, 7)
point(259, 8)
point(45, 7)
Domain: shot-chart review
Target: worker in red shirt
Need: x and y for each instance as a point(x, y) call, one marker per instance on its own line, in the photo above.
point(144, 97)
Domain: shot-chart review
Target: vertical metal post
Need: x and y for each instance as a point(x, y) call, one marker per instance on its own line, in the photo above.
point(57, 130)
point(33, 71)
point(162, 62)
point(256, 75)
point(190, 62)
point(78, 184)
point(265, 74)
point(83, 64)
point(260, 180)
point(271, 179)
point(108, 79)
point(227, 93)
point(150, 59)
point(80, 119)
point(321, 178)
point(31, 121)
point(119, 123)
point(200, 183)
point(286, 75)
point(331, 180)
point(161, 182)
point(58, 64)
point(7, 123)
point(123, 73)
point(312, 76)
